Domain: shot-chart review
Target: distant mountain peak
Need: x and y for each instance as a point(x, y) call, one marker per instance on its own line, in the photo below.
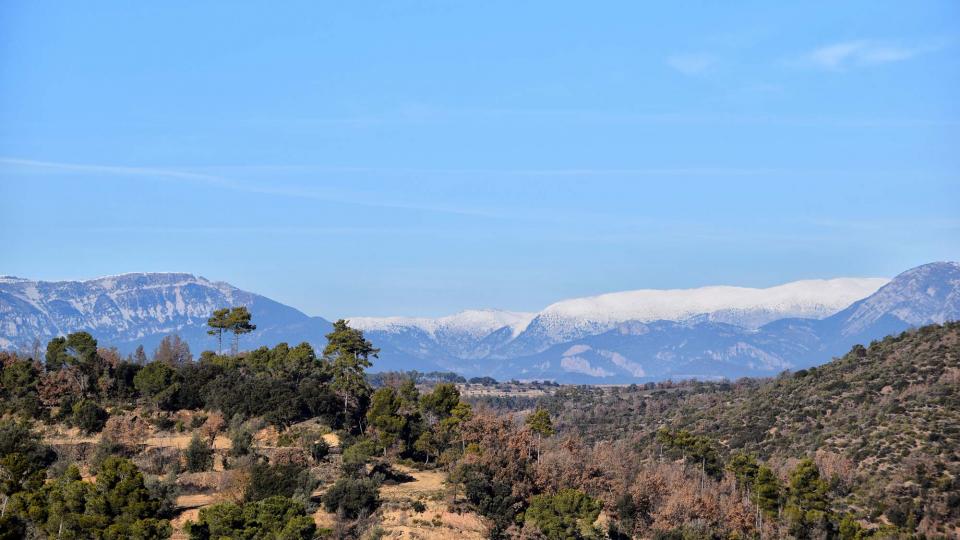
point(706, 332)
point(929, 293)
point(138, 307)
point(475, 322)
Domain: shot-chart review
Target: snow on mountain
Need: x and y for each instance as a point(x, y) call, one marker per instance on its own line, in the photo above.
point(629, 336)
point(741, 306)
point(922, 295)
point(477, 323)
point(130, 309)
point(468, 334)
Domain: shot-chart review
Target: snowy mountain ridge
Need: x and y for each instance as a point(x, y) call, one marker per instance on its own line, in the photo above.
point(474, 322)
point(617, 337)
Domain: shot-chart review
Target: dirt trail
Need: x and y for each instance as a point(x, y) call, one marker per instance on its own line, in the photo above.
point(182, 441)
point(189, 510)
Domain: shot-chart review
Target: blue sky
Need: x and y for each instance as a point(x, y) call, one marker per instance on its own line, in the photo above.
point(420, 158)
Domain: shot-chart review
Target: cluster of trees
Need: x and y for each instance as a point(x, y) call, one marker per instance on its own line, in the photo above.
point(235, 320)
point(643, 461)
point(690, 490)
point(118, 505)
point(78, 381)
point(880, 423)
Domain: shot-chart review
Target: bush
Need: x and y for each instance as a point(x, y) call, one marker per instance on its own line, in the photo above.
point(163, 423)
point(319, 449)
point(198, 455)
point(241, 442)
point(568, 514)
point(89, 417)
point(357, 455)
point(284, 480)
point(276, 517)
point(352, 496)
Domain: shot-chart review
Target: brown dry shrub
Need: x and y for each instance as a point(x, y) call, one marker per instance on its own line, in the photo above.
point(127, 429)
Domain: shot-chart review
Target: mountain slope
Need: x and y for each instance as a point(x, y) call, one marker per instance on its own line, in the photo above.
point(133, 309)
point(705, 349)
point(466, 335)
point(491, 341)
point(882, 422)
point(704, 333)
point(740, 306)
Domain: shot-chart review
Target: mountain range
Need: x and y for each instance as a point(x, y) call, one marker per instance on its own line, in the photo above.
point(630, 336)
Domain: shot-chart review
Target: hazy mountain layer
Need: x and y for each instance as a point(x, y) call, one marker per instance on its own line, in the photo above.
point(620, 337)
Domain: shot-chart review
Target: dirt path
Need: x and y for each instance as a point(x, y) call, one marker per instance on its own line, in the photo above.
point(182, 441)
point(189, 507)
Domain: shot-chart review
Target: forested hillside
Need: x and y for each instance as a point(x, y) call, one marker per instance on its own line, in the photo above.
point(288, 442)
point(883, 423)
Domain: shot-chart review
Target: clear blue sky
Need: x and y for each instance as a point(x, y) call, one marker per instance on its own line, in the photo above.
point(420, 158)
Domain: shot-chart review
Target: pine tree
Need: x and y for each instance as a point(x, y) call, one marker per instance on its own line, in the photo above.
point(539, 422)
point(807, 501)
point(384, 416)
point(238, 322)
point(218, 323)
point(347, 355)
point(767, 490)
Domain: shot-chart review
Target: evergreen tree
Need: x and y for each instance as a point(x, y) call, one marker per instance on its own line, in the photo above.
point(275, 517)
point(539, 422)
point(77, 356)
point(384, 417)
point(238, 322)
point(744, 467)
point(347, 355)
point(567, 515)
point(807, 500)
point(198, 455)
point(438, 403)
point(767, 491)
point(219, 322)
point(158, 383)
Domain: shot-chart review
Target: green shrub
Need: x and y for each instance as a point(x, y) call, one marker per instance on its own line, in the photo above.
point(241, 442)
point(568, 514)
point(89, 417)
point(352, 496)
point(319, 449)
point(284, 480)
point(198, 455)
point(276, 517)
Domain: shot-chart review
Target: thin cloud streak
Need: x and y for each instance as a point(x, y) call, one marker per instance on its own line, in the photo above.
point(849, 54)
point(235, 185)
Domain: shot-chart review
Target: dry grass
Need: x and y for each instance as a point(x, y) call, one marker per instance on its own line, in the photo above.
point(399, 520)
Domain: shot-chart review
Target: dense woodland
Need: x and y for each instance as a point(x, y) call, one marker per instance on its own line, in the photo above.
point(863, 447)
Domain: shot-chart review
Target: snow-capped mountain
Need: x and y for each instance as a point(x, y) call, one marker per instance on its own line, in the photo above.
point(618, 337)
point(140, 308)
point(468, 334)
point(922, 295)
point(705, 348)
point(740, 306)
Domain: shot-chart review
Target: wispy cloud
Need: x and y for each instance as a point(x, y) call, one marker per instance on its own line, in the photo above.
point(262, 188)
point(692, 64)
point(849, 54)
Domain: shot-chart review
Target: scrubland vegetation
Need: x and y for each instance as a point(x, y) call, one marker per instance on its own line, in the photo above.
point(289, 443)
